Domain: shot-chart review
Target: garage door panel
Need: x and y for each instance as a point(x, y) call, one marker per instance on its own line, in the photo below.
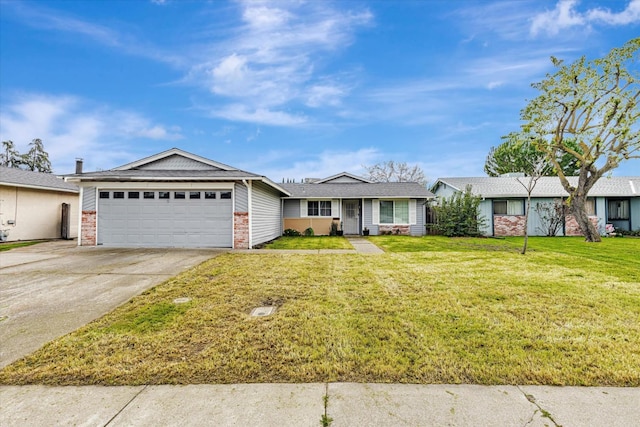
point(165, 222)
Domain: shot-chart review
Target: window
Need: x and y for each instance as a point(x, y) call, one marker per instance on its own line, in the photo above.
point(590, 207)
point(194, 195)
point(134, 195)
point(163, 194)
point(179, 195)
point(319, 208)
point(508, 207)
point(225, 194)
point(149, 195)
point(618, 209)
point(394, 212)
point(104, 194)
point(209, 194)
point(118, 194)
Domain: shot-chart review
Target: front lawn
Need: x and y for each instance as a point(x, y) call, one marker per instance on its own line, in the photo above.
point(7, 246)
point(309, 242)
point(564, 314)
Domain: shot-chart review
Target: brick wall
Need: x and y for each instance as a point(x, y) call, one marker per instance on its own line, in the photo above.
point(394, 229)
point(571, 225)
point(508, 225)
point(88, 228)
point(241, 230)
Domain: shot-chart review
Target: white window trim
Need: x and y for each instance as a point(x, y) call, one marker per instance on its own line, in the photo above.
point(304, 213)
point(375, 205)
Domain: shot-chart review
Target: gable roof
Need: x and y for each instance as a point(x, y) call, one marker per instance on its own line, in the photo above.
point(172, 166)
point(343, 177)
point(149, 161)
point(37, 180)
point(396, 190)
point(547, 186)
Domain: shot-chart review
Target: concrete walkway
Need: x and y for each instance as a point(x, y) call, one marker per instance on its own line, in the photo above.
point(347, 404)
point(360, 246)
point(363, 246)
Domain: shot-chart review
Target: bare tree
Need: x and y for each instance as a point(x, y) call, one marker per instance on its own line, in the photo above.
point(391, 171)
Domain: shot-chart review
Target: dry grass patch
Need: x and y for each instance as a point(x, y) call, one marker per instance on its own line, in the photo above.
point(424, 317)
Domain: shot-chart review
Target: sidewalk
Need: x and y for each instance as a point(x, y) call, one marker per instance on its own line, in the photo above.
point(360, 246)
point(348, 404)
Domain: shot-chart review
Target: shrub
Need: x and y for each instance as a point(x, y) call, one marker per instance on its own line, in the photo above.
point(459, 215)
point(291, 232)
point(309, 232)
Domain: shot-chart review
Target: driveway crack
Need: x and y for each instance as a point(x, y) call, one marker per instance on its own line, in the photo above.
point(126, 405)
point(544, 412)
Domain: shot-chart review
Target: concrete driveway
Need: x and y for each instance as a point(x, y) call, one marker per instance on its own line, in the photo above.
point(53, 288)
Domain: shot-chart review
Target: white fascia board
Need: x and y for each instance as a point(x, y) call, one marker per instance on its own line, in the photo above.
point(161, 185)
point(40, 187)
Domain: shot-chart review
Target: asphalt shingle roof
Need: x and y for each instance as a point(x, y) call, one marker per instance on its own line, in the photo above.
point(46, 181)
point(136, 174)
point(358, 190)
point(547, 186)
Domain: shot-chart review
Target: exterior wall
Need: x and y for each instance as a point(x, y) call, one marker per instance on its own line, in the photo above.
point(265, 214)
point(444, 191)
point(535, 226)
point(37, 214)
point(89, 199)
point(571, 225)
point(291, 208)
point(89, 228)
point(321, 226)
point(241, 230)
point(508, 225)
point(634, 206)
point(241, 198)
point(367, 217)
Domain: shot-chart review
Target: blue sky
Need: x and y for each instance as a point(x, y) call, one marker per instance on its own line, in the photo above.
point(288, 89)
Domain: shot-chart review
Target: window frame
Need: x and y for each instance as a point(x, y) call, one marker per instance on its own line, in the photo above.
point(396, 220)
point(508, 203)
point(319, 208)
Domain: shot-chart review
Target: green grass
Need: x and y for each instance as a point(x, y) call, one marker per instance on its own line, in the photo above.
point(567, 313)
point(13, 245)
point(315, 242)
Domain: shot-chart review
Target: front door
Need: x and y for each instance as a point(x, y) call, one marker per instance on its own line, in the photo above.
point(351, 216)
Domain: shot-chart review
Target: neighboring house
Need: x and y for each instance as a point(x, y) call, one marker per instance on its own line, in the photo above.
point(31, 206)
point(612, 200)
point(357, 204)
point(178, 199)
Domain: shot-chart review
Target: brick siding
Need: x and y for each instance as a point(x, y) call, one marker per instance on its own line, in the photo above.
point(508, 225)
point(241, 230)
point(571, 225)
point(403, 230)
point(88, 228)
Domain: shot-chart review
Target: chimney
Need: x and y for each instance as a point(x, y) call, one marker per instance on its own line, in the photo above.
point(78, 166)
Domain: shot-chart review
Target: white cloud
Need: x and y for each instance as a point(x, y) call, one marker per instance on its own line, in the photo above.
point(313, 165)
point(275, 59)
point(72, 127)
point(565, 15)
point(243, 113)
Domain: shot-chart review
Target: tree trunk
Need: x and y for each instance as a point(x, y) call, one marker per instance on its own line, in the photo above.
point(587, 228)
point(526, 225)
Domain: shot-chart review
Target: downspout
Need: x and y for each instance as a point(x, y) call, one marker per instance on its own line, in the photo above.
point(248, 184)
point(80, 216)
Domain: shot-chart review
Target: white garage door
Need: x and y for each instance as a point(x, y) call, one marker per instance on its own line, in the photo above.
point(172, 218)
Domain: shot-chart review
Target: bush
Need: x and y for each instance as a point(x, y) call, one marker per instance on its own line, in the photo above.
point(459, 215)
point(309, 232)
point(291, 232)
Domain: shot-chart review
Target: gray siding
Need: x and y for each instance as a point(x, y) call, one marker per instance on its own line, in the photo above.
point(367, 217)
point(242, 198)
point(265, 213)
point(292, 208)
point(535, 226)
point(176, 162)
point(418, 229)
point(486, 211)
point(634, 206)
point(89, 199)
